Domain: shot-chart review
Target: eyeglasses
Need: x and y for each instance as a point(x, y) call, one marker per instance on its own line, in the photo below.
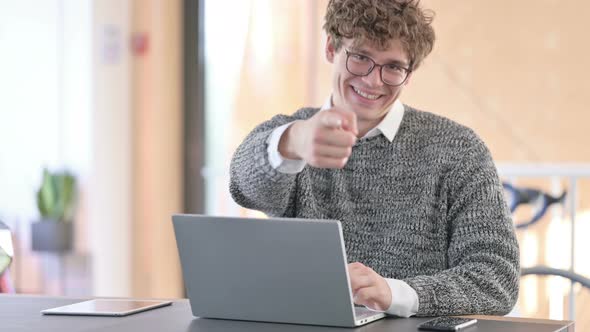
point(361, 65)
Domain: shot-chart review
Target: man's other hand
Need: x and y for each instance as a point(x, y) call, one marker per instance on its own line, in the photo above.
point(324, 140)
point(368, 287)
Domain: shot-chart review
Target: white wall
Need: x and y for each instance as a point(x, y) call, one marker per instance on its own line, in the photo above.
point(45, 108)
point(65, 102)
point(29, 102)
point(45, 93)
point(110, 204)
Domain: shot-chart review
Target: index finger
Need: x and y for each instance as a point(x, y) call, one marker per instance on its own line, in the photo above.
point(349, 119)
point(332, 120)
point(355, 266)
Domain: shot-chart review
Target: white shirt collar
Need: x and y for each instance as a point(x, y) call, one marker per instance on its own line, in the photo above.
point(388, 126)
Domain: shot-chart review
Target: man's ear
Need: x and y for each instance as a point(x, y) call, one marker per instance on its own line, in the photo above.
point(330, 49)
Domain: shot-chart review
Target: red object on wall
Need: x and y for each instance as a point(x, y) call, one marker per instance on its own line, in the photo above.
point(140, 43)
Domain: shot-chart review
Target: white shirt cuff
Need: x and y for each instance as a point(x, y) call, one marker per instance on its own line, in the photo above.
point(278, 162)
point(404, 302)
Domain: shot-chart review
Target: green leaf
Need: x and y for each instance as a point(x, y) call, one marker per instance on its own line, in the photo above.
point(56, 198)
point(47, 195)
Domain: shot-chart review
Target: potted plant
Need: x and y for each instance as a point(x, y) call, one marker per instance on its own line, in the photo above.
point(56, 201)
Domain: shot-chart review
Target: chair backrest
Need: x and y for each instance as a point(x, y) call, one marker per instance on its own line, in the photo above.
point(549, 271)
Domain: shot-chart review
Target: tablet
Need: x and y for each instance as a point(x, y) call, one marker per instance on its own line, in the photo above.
point(106, 307)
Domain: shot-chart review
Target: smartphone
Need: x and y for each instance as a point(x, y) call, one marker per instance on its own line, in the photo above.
point(446, 324)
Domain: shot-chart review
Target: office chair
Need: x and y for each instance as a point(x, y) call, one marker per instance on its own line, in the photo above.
point(549, 271)
point(540, 202)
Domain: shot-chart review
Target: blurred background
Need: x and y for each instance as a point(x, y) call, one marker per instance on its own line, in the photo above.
point(134, 108)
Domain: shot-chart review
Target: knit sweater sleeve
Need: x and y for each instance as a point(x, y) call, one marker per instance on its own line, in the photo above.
point(483, 255)
point(254, 183)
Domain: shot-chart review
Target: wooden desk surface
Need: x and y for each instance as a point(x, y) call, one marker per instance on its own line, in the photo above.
point(21, 313)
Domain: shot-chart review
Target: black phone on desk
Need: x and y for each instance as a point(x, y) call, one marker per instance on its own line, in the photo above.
point(447, 324)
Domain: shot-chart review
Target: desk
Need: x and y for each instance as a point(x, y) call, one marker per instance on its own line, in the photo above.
point(21, 313)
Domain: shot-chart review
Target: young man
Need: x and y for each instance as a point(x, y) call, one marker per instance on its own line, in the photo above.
point(422, 209)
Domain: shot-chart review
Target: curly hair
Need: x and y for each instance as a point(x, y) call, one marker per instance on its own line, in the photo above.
point(378, 22)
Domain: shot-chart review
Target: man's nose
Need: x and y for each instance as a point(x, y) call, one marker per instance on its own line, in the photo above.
point(374, 77)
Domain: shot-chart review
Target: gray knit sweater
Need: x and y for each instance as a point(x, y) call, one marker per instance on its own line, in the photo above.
point(427, 208)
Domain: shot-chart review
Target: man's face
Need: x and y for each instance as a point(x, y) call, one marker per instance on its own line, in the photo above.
point(367, 96)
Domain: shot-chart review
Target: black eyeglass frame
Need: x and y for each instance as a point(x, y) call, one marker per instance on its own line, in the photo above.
point(375, 64)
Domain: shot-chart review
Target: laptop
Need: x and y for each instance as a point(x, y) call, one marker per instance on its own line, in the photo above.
point(271, 270)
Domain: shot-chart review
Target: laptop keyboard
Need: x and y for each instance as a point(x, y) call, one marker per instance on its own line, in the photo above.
point(362, 312)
